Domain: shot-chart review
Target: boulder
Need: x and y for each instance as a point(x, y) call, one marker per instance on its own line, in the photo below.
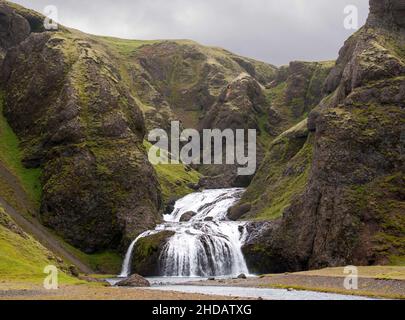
point(193, 186)
point(134, 281)
point(170, 205)
point(236, 212)
point(73, 271)
point(242, 276)
point(146, 258)
point(186, 217)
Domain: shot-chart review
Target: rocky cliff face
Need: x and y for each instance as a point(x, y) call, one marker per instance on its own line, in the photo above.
point(81, 105)
point(182, 80)
point(14, 29)
point(287, 149)
point(65, 99)
point(330, 136)
point(352, 208)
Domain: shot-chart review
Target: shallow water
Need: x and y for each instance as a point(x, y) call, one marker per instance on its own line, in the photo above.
point(267, 294)
point(180, 284)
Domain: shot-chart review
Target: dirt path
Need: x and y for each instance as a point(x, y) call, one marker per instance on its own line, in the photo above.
point(33, 226)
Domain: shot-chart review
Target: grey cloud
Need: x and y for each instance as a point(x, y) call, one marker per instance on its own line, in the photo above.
point(268, 30)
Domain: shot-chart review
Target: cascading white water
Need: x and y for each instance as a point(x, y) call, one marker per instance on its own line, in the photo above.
point(126, 266)
point(207, 245)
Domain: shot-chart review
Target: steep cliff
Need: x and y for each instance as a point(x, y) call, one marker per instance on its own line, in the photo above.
point(330, 137)
point(66, 101)
point(181, 80)
point(351, 210)
point(81, 104)
point(283, 173)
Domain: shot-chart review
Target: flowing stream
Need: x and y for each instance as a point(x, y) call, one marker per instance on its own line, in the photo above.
point(206, 245)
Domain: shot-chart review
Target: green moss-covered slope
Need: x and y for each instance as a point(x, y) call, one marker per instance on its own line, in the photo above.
point(175, 180)
point(284, 174)
point(11, 157)
point(22, 259)
point(352, 207)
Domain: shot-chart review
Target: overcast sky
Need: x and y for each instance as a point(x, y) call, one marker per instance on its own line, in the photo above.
point(276, 31)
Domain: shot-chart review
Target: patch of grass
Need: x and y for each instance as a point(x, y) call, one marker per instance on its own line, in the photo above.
point(11, 157)
point(382, 200)
point(282, 177)
point(174, 178)
point(125, 46)
point(265, 138)
point(397, 260)
point(107, 262)
point(276, 95)
point(373, 272)
point(22, 258)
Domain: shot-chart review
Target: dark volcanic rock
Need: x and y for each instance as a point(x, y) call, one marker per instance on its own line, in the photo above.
point(387, 12)
point(134, 281)
point(351, 210)
point(237, 211)
point(170, 205)
point(188, 216)
point(246, 98)
point(13, 28)
point(238, 107)
point(146, 255)
point(83, 128)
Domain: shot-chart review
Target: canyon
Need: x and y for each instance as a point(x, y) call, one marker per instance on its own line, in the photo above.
point(329, 185)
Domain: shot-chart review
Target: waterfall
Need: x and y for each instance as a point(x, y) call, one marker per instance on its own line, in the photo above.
point(207, 245)
point(126, 266)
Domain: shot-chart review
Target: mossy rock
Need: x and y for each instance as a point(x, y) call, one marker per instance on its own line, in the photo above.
point(146, 255)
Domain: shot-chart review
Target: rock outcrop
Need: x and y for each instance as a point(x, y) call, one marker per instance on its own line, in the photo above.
point(13, 29)
point(146, 257)
point(187, 216)
point(330, 138)
point(284, 167)
point(65, 99)
point(181, 80)
point(351, 210)
point(134, 281)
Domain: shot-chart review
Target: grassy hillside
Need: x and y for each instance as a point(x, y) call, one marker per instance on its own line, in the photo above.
point(22, 258)
point(284, 174)
point(16, 249)
point(11, 156)
point(178, 79)
point(106, 262)
point(175, 179)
